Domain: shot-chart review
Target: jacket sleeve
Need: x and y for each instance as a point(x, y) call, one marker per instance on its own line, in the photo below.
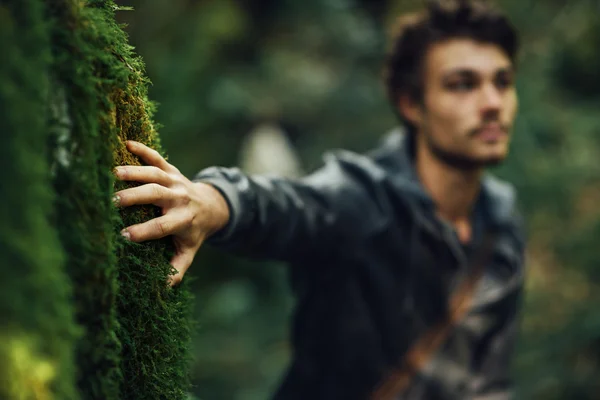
point(286, 219)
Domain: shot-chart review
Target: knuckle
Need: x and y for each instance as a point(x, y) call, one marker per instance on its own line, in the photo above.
point(161, 227)
point(155, 154)
point(187, 218)
point(174, 178)
point(165, 177)
point(155, 171)
point(181, 194)
point(154, 174)
point(193, 218)
point(190, 217)
point(156, 190)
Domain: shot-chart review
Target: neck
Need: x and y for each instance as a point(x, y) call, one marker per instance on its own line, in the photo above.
point(454, 191)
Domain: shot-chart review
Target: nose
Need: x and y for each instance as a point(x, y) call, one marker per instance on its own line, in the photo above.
point(491, 98)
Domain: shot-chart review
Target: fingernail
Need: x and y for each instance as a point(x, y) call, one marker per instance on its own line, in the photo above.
point(125, 234)
point(116, 200)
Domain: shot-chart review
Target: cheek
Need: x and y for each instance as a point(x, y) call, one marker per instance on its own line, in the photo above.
point(511, 106)
point(452, 115)
point(514, 106)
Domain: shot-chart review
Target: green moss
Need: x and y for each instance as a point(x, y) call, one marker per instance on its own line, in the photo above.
point(83, 160)
point(138, 329)
point(71, 93)
point(38, 332)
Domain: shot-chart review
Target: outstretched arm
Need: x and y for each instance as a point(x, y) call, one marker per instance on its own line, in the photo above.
point(278, 218)
point(260, 217)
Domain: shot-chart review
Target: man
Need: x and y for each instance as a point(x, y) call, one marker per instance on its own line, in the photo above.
point(377, 243)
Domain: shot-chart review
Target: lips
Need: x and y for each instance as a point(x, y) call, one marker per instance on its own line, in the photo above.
point(491, 133)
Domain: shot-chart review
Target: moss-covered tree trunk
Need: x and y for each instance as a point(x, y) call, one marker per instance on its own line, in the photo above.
point(71, 94)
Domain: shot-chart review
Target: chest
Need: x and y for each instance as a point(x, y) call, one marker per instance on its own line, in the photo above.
point(420, 272)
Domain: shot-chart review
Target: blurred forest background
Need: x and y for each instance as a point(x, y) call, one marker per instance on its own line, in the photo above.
point(241, 82)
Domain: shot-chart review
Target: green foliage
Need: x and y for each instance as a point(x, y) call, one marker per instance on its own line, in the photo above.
point(315, 67)
point(71, 92)
point(38, 331)
point(576, 64)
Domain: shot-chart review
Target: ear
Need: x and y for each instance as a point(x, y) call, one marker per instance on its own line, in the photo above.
point(410, 109)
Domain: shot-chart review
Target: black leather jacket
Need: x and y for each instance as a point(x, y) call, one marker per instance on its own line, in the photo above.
point(372, 268)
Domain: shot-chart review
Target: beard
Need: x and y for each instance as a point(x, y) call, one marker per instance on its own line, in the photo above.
point(460, 161)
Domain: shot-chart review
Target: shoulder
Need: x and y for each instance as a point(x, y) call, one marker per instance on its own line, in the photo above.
point(351, 183)
point(355, 185)
point(387, 157)
point(345, 170)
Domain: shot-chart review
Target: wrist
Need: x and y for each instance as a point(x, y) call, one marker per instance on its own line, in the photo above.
point(218, 211)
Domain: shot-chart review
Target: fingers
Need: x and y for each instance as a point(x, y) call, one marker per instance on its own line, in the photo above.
point(143, 174)
point(150, 156)
point(181, 262)
point(156, 228)
point(150, 193)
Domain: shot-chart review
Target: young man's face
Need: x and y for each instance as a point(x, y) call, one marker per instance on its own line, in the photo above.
point(469, 103)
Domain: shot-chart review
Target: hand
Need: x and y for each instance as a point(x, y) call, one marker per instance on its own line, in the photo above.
point(192, 211)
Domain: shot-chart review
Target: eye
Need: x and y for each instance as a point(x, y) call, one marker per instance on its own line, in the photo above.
point(461, 85)
point(504, 82)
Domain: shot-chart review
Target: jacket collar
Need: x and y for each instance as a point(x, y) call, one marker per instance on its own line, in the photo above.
point(397, 155)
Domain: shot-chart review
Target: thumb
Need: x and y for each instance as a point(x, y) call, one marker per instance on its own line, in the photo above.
point(181, 261)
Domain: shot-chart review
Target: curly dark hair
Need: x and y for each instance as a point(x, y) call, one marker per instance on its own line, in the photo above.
point(413, 35)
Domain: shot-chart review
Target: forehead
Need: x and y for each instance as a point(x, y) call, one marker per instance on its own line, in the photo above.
point(465, 54)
